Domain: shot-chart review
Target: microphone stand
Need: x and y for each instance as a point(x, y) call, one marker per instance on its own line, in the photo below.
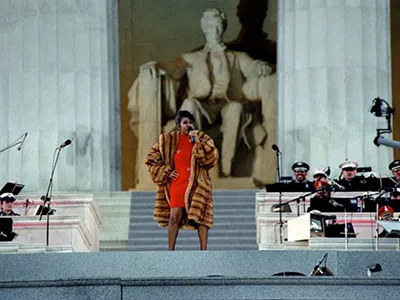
point(278, 171)
point(346, 240)
point(376, 218)
point(47, 198)
point(13, 144)
point(319, 264)
point(297, 199)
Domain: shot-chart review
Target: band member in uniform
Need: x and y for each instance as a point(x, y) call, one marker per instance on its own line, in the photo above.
point(7, 200)
point(394, 182)
point(319, 174)
point(349, 179)
point(394, 166)
point(300, 181)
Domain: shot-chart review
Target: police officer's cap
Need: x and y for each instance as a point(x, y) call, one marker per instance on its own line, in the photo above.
point(348, 164)
point(8, 197)
point(300, 166)
point(319, 172)
point(394, 165)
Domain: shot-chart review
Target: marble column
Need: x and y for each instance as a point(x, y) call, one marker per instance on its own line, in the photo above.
point(333, 60)
point(58, 76)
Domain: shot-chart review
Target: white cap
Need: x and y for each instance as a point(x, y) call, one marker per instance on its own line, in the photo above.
point(348, 164)
point(319, 171)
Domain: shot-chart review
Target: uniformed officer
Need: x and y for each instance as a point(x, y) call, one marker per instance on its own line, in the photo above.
point(350, 181)
point(300, 181)
point(394, 166)
point(7, 200)
point(319, 174)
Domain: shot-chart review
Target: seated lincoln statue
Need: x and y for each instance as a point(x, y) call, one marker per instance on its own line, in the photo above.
point(225, 90)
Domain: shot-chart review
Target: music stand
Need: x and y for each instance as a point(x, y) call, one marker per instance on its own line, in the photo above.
point(12, 187)
point(44, 210)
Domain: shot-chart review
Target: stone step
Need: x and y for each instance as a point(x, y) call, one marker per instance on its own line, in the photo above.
point(192, 240)
point(234, 224)
point(212, 233)
point(191, 247)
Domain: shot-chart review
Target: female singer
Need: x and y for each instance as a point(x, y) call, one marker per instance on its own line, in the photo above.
point(179, 165)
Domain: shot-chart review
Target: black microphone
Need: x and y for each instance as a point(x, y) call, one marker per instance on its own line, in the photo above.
point(192, 138)
point(334, 203)
point(22, 142)
point(275, 148)
point(66, 143)
point(320, 262)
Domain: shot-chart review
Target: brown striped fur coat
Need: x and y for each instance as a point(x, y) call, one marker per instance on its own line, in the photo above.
point(198, 197)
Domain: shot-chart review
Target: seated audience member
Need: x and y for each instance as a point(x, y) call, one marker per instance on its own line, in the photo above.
point(7, 201)
point(300, 181)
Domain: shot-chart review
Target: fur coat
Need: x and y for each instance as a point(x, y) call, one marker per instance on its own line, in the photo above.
point(198, 197)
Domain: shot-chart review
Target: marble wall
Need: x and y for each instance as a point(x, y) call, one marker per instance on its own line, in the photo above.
point(59, 80)
point(334, 59)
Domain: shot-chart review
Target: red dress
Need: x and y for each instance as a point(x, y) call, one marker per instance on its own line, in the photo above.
point(183, 154)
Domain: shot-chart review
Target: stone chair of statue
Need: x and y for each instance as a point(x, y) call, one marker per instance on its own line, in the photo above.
point(231, 95)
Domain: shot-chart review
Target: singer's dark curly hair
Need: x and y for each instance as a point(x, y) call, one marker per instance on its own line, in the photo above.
point(184, 114)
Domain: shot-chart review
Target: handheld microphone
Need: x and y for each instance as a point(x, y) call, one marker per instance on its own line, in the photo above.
point(275, 148)
point(22, 142)
point(192, 138)
point(66, 143)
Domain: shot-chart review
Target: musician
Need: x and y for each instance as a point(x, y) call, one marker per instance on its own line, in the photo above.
point(322, 195)
point(300, 181)
point(350, 181)
point(394, 181)
point(319, 174)
point(322, 189)
point(324, 202)
point(394, 167)
point(7, 200)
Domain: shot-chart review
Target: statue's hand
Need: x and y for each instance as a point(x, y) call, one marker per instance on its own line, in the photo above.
point(265, 70)
point(150, 69)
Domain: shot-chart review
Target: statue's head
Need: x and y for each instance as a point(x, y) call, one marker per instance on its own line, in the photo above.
point(213, 24)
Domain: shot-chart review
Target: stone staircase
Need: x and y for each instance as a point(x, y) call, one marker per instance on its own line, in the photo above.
point(234, 224)
point(115, 209)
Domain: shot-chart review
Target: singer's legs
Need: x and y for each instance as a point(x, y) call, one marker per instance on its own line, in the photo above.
point(231, 115)
point(202, 232)
point(175, 218)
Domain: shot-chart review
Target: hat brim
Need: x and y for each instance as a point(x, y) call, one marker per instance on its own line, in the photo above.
point(300, 169)
point(7, 199)
point(319, 174)
point(349, 166)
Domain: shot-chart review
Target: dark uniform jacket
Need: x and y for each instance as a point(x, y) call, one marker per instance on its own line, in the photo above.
point(11, 214)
